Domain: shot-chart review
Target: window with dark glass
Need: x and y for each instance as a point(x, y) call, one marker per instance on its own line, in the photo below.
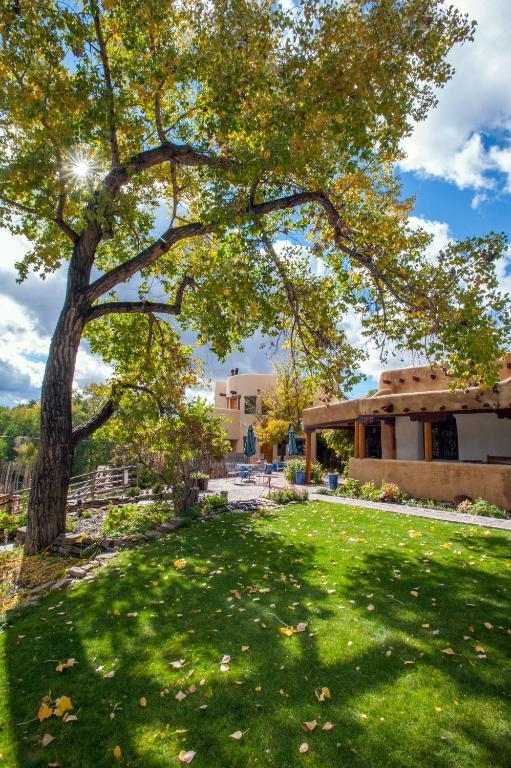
point(250, 404)
point(444, 437)
point(373, 442)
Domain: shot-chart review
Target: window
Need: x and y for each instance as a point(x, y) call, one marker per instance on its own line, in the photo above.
point(250, 404)
point(444, 437)
point(373, 442)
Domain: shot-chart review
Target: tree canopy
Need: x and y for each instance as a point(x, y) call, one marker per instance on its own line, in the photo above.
point(201, 120)
point(283, 405)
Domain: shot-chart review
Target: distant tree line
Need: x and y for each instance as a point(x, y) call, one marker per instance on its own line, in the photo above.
point(19, 433)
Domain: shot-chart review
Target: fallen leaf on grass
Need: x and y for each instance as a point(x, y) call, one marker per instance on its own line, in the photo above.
point(109, 675)
point(370, 607)
point(143, 702)
point(117, 752)
point(303, 748)
point(488, 625)
point(65, 665)
point(322, 693)
point(69, 718)
point(244, 648)
point(177, 664)
point(180, 696)
point(47, 739)
point(179, 565)
point(44, 712)
point(63, 705)
point(237, 735)
point(310, 725)
point(287, 631)
point(301, 627)
point(327, 726)
point(132, 615)
point(186, 757)
point(448, 651)
point(414, 593)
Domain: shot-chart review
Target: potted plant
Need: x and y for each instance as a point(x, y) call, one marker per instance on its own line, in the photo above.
point(299, 477)
point(333, 480)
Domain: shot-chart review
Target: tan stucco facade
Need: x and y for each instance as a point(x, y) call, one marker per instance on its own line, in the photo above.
point(413, 412)
point(439, 480)
point(236, 395)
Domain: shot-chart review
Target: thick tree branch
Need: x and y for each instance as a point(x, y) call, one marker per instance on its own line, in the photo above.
point(114, 146)
point(82, 431)
point(341, 233)
point(141, 307)
point(181, 153)
point(153, 252)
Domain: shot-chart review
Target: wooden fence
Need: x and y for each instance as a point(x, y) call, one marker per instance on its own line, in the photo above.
point(83, 488)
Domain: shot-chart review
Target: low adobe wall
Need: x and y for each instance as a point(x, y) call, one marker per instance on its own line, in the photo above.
point(440, 480)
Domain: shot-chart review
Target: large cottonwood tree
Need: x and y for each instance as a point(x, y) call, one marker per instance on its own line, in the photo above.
point(222, 125)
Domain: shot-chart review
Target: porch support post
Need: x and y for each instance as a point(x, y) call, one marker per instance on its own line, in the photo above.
point(356, 448)
point(428, 441)
point(361, 441)
point(308, 457)
point(388, 439)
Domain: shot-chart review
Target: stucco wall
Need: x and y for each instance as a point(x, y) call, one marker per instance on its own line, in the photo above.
point(483, 434)
point(409, 440)
point(439, 480)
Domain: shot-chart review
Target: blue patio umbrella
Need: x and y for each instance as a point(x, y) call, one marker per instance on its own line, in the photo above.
point(292, 449)
point(249, 448)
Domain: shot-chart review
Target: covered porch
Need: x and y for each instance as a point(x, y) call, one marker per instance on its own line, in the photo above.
point(437, 443)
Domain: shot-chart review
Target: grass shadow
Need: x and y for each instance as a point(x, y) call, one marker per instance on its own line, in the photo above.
point(244, 580)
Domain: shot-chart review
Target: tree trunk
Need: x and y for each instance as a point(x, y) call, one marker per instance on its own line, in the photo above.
point(48, 497)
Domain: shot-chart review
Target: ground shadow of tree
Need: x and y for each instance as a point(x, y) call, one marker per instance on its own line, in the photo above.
point(195, 614)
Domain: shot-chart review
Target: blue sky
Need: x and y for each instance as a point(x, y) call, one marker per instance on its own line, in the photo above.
point(457, 165)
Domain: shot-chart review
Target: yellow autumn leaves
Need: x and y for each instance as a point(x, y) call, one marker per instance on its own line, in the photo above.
point(59, 708)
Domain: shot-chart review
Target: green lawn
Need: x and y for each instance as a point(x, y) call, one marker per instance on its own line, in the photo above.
point(396, 697)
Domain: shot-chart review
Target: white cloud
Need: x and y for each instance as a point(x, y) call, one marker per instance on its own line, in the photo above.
point(28, 313)
point(453, 142)
point(439, 230)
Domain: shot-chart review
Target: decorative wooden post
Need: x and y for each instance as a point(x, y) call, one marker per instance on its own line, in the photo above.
point(388, 438)
point(361, 441)
point(428, 442)
point(308, 457)
point(356, 451)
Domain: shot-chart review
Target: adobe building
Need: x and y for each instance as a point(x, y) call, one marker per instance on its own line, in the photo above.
point(239, 401)
point(434, 442)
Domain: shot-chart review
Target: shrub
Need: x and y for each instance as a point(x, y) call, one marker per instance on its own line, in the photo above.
point(213, 503)
point(135, 518)
point(351, 487)
point(134, 490)
point(482, 507)
point(390, 492)
point(12, 522)
point(288, 495)
point(294, 465)
point(369, 492)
